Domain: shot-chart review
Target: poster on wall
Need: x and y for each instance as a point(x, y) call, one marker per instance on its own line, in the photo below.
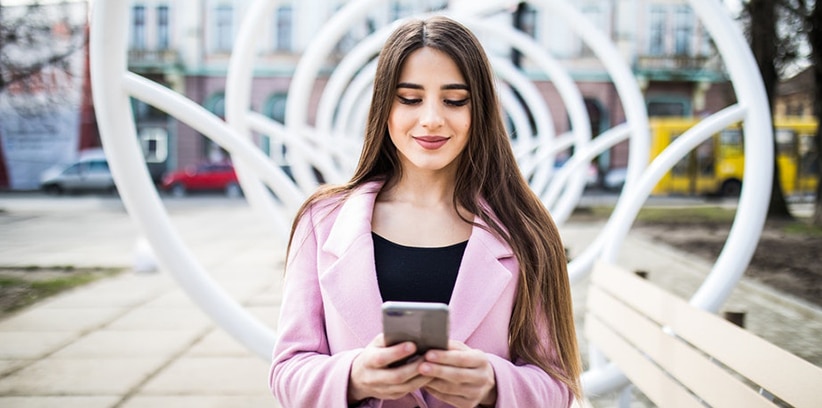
point(42, 70)
point(35, 141)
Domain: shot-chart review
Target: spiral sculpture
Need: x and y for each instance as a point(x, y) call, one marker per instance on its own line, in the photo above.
point(332, 144)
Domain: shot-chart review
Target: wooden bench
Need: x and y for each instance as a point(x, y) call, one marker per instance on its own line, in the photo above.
point(681, 356)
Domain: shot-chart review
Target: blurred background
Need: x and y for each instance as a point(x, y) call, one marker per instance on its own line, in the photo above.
point(47, 121)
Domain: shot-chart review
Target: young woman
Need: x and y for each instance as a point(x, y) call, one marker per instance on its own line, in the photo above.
point(437, 210)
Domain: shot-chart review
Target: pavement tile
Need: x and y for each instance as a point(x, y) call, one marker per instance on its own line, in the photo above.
point(240, 290)
point(118, 343)
point(199, 401)
point(53, 319)
point(267, 315)
point(33, 344)
point(268, 296)
point(61, 401)
point(147, 318)
point(213, 375)
point(174, 299)
point(128, 289)
point(9, 365)
point(218, 343)
point(79, 377)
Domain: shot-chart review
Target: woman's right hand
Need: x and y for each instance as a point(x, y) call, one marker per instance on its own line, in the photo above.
point(372, 378)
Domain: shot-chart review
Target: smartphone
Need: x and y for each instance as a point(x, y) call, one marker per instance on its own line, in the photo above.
point(424, 323)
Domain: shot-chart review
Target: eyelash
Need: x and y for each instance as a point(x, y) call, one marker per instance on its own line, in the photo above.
point(457, 103)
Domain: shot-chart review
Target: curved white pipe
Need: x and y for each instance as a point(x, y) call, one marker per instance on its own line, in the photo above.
point(119, 137)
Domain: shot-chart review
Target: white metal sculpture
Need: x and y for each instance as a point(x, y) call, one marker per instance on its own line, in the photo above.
point(329, 146)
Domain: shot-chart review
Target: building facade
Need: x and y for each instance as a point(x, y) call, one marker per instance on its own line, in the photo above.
point(186, 45)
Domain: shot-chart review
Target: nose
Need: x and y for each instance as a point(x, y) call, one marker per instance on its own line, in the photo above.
point(431, 115)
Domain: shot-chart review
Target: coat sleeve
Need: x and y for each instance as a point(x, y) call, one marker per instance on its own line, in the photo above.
point(303, 373)
point(527, 386)
point(520, 384)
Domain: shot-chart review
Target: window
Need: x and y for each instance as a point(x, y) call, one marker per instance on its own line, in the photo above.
point(684, 30)
point(706, 42)
point(154, 142)
point(705, 158)
point(668, 108)
point(138, 28)
point(211, 150)
point(284, 28)
point(795, 109)
point(223, 35)
point(162, 28)
point(731, 143)
point(216, 104)
point(75, 169)
point(98, 166)
point(785, 142)
point(681, 167)
point(275, 109)
point(144, 111)
point(596, 15)
point(656, 40)
point(527, 19)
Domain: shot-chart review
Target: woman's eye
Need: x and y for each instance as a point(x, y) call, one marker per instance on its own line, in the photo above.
point(408, 101)
point(458, 102)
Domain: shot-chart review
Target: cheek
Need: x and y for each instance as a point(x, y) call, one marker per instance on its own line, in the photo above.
point(466, 123)
point(397, 118)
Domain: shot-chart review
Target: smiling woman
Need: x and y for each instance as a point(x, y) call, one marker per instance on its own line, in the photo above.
point(431, 115)
point(437, 211)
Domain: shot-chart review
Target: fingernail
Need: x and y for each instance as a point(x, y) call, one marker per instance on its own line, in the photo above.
point(425, 368)
point(409, 347)
point(432, 355)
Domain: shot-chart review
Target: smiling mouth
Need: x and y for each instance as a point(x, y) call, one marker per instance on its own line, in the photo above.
point(431, 142)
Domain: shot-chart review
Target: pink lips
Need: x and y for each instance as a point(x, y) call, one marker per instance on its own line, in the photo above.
point(431, 142)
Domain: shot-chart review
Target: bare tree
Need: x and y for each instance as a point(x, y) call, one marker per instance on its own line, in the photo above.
point(38, 47)
point(762, 33)
point(775, 29)
point(814, 23)
point(806, 18)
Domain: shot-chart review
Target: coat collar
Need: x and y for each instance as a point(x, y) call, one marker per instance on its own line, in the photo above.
point(350, 282)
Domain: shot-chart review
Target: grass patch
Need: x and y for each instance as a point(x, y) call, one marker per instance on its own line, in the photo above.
point(801, 228)
point(21, 287)
point(686, 215)
point(694, 215)
point(664, 215)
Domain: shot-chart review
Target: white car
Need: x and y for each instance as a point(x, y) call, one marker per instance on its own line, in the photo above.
point(88, 173)
point(615, 178)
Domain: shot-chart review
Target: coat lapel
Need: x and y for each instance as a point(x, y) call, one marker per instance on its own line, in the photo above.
point(350, 282)
point(481, 281)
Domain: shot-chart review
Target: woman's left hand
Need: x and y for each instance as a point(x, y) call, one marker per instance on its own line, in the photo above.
point(463, 377)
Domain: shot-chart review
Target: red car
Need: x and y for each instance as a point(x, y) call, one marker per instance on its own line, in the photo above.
point(204, 177)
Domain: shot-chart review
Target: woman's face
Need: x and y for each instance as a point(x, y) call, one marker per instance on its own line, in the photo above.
point(431, 113)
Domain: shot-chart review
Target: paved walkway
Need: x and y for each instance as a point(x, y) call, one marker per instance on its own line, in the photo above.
point(136, 340)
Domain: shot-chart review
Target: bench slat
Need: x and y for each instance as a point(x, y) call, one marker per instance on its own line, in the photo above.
point(654, 383)
point(783, 374)
point(693, 369)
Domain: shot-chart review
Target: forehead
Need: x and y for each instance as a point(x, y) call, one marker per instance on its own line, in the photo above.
point(430, 66)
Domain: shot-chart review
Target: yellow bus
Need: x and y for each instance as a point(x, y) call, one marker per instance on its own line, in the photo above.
point(715, 167)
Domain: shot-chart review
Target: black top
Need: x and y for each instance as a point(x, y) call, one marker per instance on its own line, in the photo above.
point(415, 274)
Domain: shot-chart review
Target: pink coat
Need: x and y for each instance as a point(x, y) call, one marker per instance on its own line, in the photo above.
point(331, 310)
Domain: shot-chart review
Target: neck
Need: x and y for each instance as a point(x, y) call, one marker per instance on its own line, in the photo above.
point(422, 188)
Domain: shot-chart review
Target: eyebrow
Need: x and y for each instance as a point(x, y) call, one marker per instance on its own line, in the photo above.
point(444, 87)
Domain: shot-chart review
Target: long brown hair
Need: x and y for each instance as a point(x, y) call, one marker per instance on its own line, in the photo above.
point(487, 171)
